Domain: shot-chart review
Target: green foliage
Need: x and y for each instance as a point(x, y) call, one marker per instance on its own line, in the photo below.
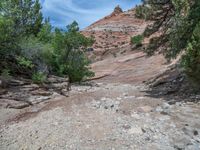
point(5, 74)
point(18, 19)
point(39, 77)
point(25, 14)
point(67, 57)
point(142, 12)
point(45, 34)
point(29, 47)
point(191, 59)
point(137, 40)
point(25, 62)
point(179, 23)
point(73, 27)
point(7, 40)
point(77, 67)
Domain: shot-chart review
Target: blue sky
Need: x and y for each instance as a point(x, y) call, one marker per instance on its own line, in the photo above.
point(85, 12)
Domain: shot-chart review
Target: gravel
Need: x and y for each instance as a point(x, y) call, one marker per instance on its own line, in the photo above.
point(101, 124)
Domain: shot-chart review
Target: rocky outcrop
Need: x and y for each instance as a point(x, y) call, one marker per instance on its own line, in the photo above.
point(21, 93)
point(117, 10)
point(112, 33)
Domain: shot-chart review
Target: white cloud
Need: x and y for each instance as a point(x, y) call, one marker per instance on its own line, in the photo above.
point(63, 12)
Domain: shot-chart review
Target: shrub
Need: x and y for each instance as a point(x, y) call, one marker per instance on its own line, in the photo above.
point(137, 40)
point(39, 77)
point(25, 62)
point(67, 57)
point(77, 68)
point(5, 74)
point(29, 47)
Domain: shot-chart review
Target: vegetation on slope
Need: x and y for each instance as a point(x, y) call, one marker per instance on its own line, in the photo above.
point(30, 47)
point(178, 21)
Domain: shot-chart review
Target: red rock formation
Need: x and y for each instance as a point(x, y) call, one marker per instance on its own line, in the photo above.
point(113, 33)
point(117, 11)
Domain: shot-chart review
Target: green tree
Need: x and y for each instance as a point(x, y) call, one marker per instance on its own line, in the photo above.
point(18, 19)
point(67, 57)
point(25, 14)
point(178, 22)
point(45, 34)
point(191, 58)
point(30, 47)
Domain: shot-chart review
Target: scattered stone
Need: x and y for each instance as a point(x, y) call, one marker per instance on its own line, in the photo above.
point(143, 130)
point(135, 130)
point(178, 104)
point(126, 127)
point(158, 109)
point(165, 112)
point(166, 106)
point(136, 116)
point(144, 109)
point(106, 103)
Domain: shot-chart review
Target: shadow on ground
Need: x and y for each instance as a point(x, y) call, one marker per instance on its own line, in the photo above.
point(173, 87)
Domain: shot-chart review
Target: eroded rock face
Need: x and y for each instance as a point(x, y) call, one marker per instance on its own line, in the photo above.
point(22, 93)
point(117, 10)
point(113, 33)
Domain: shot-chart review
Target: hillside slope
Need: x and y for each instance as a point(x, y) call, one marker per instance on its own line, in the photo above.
point(114, 58)
point(113, 33)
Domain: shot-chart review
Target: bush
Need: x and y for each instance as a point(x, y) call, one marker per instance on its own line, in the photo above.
point(137, 40)
point(77, 68)
point(5, 74)
point(67, 57)
point(25, 62)
point(29, 47)
point(39, 77)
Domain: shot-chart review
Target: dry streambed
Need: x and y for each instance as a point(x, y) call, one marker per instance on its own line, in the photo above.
point(109, 117)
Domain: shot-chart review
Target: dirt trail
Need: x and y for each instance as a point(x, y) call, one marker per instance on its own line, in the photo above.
point(114, 113)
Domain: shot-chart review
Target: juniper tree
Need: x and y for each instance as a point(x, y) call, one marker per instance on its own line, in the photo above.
point(177, 22)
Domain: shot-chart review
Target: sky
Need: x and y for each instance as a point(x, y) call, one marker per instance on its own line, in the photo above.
point(85, 12)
